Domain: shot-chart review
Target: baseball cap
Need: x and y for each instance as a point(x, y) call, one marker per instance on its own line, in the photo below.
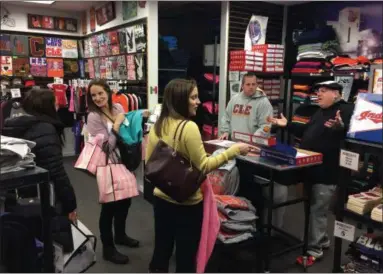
point(17, 83)
point(329, 84)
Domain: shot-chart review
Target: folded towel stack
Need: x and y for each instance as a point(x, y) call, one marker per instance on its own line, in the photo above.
point(364, 202)
point(377, 213)
point(237, 216)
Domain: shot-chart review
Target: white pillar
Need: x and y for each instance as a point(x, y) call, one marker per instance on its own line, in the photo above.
point(152, 64)
point(223, 55)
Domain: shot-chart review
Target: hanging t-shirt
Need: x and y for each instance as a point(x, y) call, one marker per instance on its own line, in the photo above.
point(122, 100)
point(60, 94)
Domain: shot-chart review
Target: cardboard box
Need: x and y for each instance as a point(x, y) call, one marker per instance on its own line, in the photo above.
point(302, 157)
point(268, 46)
point(367, 120)
point(254, 139)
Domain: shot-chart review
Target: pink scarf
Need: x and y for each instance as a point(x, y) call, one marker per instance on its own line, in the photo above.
point(210, 227)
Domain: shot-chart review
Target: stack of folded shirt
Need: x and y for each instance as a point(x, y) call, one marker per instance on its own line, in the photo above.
point(366, 254)
point(237, 216)
point(311, 66)
point(364, 202)
point(15, 154)
point(301, 93)
point(345, 63)
point(377, 213)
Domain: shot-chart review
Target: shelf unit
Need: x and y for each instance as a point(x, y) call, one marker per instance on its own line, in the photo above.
point(342, 213)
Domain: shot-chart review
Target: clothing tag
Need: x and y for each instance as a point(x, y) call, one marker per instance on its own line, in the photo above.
point(126, 122)
point(58, 80)
point(15, 93)
point(349, 160)
point(344, 231)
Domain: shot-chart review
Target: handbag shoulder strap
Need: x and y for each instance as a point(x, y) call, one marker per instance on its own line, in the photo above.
point(183, 123)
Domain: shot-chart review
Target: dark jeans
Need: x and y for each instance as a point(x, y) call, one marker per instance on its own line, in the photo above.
point(180, 225)
point(117, 212)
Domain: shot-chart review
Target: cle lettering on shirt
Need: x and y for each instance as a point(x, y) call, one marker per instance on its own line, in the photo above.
point(242, 109)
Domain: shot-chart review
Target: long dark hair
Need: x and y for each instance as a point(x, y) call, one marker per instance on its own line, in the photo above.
point(92, 107)
point(41, 103)
point(176, 102)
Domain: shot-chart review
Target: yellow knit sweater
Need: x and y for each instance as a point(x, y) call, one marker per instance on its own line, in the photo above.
point(191, 146)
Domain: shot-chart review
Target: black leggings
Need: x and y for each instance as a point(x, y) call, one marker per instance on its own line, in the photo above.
point(180, 225)
point(117, 211)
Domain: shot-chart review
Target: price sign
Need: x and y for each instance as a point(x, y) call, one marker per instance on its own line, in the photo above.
point(59, 80)
point(346, 82)
point(349, 160)
point(344, 231)
point(15, 93)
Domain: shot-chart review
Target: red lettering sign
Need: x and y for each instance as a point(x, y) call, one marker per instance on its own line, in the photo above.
point(374, 117)
point(242, 109)
point(54, 52)
point(36, 46)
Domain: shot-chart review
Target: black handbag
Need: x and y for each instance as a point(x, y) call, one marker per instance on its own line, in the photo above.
point(131, 155)
point(171, 172)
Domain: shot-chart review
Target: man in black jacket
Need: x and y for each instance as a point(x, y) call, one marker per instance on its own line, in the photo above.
point(324, 133)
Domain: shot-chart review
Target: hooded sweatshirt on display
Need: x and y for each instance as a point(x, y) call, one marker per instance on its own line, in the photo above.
point(248, 114)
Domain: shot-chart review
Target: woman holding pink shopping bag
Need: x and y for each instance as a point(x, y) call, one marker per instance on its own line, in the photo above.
point(101, 112)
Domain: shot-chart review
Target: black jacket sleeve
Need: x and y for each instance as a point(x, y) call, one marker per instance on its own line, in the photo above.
point(48, 153)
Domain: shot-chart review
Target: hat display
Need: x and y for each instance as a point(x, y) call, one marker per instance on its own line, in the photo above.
point(329, 84)
point(17, 83)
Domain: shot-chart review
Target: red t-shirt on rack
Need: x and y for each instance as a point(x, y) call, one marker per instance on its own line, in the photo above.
point(60, 94)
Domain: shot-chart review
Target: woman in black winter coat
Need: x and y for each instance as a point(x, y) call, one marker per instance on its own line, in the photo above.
point(40, 124)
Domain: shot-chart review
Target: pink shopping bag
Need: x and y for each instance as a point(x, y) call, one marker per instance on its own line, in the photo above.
point(92, 155)
point(115, 182)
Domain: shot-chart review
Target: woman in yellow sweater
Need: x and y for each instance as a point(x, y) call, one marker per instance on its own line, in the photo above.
point(180, 223)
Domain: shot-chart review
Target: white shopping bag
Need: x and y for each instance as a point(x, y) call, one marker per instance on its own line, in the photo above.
point(83, 255)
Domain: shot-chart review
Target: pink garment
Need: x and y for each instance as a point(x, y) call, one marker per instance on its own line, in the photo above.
point(209, 107)
point(210, 227)
point(71, 100)
point(96, 125)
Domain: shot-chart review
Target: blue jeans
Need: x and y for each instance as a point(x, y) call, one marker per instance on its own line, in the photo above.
point(320, 202)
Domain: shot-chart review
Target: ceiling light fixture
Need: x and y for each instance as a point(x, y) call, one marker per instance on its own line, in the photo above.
point(41, 2)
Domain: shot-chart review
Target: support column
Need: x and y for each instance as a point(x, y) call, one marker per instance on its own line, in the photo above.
point(152, 65)
point(223, 55)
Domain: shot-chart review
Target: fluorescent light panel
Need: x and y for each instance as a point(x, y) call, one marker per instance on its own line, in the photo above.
point(41, 2)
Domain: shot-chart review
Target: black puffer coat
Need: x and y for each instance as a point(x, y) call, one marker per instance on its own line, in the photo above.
point(43, 131)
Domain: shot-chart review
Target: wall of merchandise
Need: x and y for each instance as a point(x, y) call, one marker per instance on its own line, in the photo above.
point(118, 54)
point(40, 56)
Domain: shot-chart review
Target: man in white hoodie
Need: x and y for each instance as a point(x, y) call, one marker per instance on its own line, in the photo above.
point(248, 112)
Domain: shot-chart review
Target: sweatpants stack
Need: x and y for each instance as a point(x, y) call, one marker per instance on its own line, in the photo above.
point(377, 213)
point(237, 216)
point(364, 202)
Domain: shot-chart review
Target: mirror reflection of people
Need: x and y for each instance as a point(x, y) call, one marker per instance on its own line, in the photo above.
point(324, 133)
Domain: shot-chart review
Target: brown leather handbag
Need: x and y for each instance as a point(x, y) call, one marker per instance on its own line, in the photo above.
point(171, 172)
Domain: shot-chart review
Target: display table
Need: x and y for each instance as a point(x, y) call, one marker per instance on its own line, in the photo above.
point(35, 177)
point(273, 170)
